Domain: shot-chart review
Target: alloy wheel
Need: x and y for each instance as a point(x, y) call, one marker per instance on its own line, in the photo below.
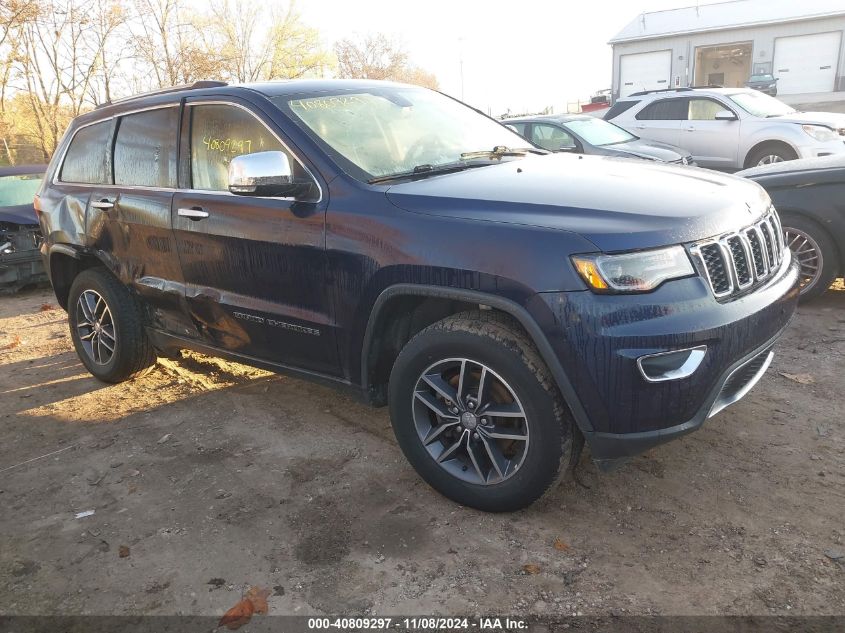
point(470, 421)
point(95, 327)
point(770, 159)
point(806, 250)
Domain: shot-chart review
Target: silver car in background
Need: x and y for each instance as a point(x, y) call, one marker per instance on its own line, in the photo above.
point(730, 128)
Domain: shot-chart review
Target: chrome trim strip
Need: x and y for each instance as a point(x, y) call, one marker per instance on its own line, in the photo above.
point(686, 370)
point(56, 181)
point(102, 204)
point(721, 404)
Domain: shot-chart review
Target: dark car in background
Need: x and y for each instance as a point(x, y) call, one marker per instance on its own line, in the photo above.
point(20, 236)
point(583, 134)
point(507, 303)
point(809, 195)
point(764, 83)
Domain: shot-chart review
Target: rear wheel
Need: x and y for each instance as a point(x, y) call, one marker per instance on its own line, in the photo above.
point(477, 414)
point(107, 328)
point(815, 251)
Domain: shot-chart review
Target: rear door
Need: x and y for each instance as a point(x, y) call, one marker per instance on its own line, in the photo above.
point(712, 143)
point(660, 120)
point(255, 268)
point(138, 223)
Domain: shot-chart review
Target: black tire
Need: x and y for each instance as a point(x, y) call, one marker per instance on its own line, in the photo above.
point(491, 339)
point(805, 235)
point(133, 355)
point(779, 150)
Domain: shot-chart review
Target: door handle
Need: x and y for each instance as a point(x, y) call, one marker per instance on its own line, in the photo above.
point(102, 204)
point(194, 213)
point(690, 129)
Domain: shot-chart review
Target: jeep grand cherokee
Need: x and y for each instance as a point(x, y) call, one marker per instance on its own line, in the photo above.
point(506, 303)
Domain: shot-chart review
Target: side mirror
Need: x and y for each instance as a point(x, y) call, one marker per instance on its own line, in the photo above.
point(725, 115)
point(264, 174)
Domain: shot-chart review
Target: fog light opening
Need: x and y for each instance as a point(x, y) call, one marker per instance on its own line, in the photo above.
point(673, 365)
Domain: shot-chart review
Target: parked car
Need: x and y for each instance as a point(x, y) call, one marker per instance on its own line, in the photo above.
point(767, 83)
point(730, 128)
point(809, 196)
point(20, 237)
point(583, 134)
point(506, 303)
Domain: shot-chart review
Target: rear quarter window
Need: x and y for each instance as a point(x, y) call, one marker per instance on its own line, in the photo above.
point(618, 108)
point(87, 158)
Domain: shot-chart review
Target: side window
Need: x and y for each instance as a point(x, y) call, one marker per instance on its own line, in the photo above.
point(519, 128)
point(704, 109)
point(86, 159)
point(664, 110)
point(550, 137)
point(145, 149)
point(218, 134)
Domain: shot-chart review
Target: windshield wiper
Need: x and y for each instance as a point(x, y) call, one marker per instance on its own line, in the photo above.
point(497, 152)
point(425, 170)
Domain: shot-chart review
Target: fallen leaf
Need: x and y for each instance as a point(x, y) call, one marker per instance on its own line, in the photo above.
point(804, 379)
point(258, 598)
point(46, 307)
point(560, 545)
point(123, 551)
point(238, 615)
point(16, 340)
point(163, 439)
point(531, 568)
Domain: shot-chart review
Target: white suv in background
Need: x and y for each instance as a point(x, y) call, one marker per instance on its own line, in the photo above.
point(730, 128)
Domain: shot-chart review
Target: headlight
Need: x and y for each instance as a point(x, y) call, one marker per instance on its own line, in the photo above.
point(820, 133)
point(633, 272)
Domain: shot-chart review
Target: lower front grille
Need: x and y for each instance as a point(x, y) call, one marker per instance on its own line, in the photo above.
point(741, 380)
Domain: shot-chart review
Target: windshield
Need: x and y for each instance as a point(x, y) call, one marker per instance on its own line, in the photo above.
point(758, 104)
point(20, 189)
point(599, 132)
point(397, 130)
point(761, 78)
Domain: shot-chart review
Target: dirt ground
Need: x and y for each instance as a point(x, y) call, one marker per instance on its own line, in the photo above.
point(206, 477)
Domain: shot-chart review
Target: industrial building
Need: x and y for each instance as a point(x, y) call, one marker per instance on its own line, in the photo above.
point(800, 43)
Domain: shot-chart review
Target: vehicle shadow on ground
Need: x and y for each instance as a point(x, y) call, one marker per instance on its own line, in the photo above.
point(31, 384)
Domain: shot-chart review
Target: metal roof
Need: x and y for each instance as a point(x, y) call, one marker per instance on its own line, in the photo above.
point(725, 15)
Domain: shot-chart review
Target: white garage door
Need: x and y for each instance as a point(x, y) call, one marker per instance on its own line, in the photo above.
point(644, 71)
point(806, 63)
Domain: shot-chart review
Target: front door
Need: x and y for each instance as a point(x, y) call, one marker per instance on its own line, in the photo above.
point(712, 143)
point(254, 267)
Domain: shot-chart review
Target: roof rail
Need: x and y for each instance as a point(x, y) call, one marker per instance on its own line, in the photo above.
point(687, 89)
point(197, 85)
point(651, 92)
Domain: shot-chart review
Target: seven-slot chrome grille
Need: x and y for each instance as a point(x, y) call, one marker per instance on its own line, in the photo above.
point(736, 261)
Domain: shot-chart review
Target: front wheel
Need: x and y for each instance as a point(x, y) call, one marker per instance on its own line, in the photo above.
point(107, 328)
point(477, 414)
point(772, 153)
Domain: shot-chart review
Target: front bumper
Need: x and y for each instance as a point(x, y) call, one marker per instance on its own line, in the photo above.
point(598, 339)
point(815, 150)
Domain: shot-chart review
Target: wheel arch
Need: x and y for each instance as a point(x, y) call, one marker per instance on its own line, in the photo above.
point(775, 142)
point(64, 263)
point(378, 354)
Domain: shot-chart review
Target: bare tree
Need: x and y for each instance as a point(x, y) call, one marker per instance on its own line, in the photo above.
point(378, 57)
point(372, 57)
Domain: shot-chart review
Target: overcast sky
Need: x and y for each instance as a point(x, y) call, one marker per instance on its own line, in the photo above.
point(523, 55)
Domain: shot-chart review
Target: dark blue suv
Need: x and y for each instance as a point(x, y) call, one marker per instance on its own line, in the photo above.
point(507, 303)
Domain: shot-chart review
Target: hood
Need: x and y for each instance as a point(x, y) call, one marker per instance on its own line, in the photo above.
point(642, 148)
point(830, 119)
point(18, 214)
point(616, 203)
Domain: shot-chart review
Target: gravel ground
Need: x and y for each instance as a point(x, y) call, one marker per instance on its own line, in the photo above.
point(206, 477)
